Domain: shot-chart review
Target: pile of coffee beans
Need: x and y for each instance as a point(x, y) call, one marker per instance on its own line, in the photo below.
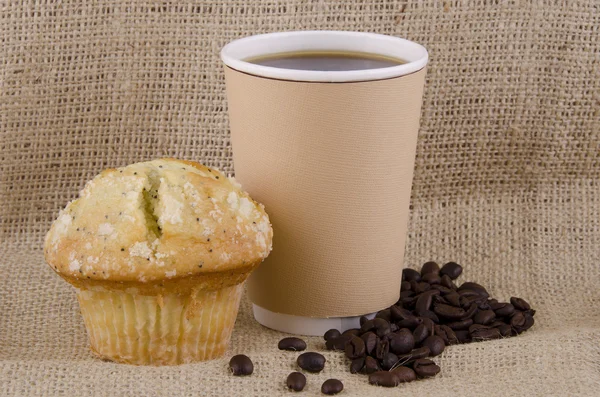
point(396, 345)
point(432, 313)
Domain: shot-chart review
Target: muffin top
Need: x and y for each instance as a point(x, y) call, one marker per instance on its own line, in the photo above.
point(158, 220)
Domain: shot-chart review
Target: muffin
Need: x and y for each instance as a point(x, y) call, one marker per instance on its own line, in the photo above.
point(158, 253)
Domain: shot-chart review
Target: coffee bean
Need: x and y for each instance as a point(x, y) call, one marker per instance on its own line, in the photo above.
point(476, 327)
point(405, 286)
point(425, 368)
point(447, 282)
point(291, 343)
point(484, 317)
point(241, 365)
point(450, 335)
point(420, 287)
point(389, 361)
point(404, 374)
point(362, 320)
point(371, 365)
point(504, 329)
point(439, 332)
point(449, 312)
point(452, 270)
point(357, 365)
point(311, 361)
point(382, 348)
point(424, 300)
point(485, 334)
point(435, 344)
point(338, 343)
point(519, 304)
point(383, 314)
point(432, 278)
point(394, 327)
point(429, 267)
point(443, 290)
point(429, 315)
point(461, 324)
point(415, 354)
point(296, 381)
point(404, 295)
point(463, 335)
point(410, 322)
point(453, 298)
point(382, 327)
point(411, 275)
point(470, 286)
point(355, 348)
point(420, 334)
point(402, 342)
point(429, 324)
point(352, 332)
point(384, 378)
point(496, 323)
point(370, 340)
point(332, 334)
point(483, 305)
point(495, 305)
point(367, 326)
point(517, 320)
point(332, 386)
point(471, 311)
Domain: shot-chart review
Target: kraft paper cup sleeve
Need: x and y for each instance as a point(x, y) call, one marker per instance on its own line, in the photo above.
point(333, 165)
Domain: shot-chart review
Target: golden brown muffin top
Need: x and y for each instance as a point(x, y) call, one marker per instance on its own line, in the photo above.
point(159, 220)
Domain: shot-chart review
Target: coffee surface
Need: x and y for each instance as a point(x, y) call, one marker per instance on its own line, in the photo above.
point(326, 61)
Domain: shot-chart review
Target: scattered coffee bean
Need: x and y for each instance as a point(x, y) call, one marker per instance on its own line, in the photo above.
point(443, 290)
point(420, 287)
point(362, 320)
point(484, 317)
point(470, 286)
point(371, 365)
point(332, 386)
point(296, 381)
point(425, 368)
point(332, 334)
point(449, 312)
point(411, 275)
point(430, 315)
point(405, 286)
point(432, 278)
point(452, 270)
point(485, 334)
point(383, 314)
point(453, 299)
point(389, 361)
point(384, 378)
point(425, 299)
point(446, 281)
point(420, 334)
point(311, 362)
point(464, 336)
point(435, 344)
point(504, 310)
point(357, 365)
point(355, 348)
point(461, 324)
point(519, 304)
point(429, 267)
point(382, 327)
point(241, 365)
point(404, 374)
point(504, 329)
point(291, 343)
point(402, 341)
point(338, 343)
point(382, 348)
point(352, 332)
point(415, 354)
point(370, 340)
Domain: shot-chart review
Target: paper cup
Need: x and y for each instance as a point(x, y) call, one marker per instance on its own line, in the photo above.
point(331, 155)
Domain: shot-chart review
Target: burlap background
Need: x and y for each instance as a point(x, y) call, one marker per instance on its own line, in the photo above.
point(507, 177)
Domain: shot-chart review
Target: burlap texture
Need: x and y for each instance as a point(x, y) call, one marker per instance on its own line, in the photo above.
point(506, 181)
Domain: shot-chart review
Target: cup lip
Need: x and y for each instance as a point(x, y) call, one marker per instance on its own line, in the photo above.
point(234, 53)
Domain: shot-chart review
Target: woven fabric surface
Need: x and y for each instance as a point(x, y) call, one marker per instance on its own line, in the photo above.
point(507, 178)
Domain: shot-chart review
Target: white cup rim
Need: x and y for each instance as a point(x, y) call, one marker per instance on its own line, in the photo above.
point(236, 52)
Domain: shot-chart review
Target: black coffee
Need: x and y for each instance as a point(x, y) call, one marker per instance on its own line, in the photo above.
point(326, 60)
